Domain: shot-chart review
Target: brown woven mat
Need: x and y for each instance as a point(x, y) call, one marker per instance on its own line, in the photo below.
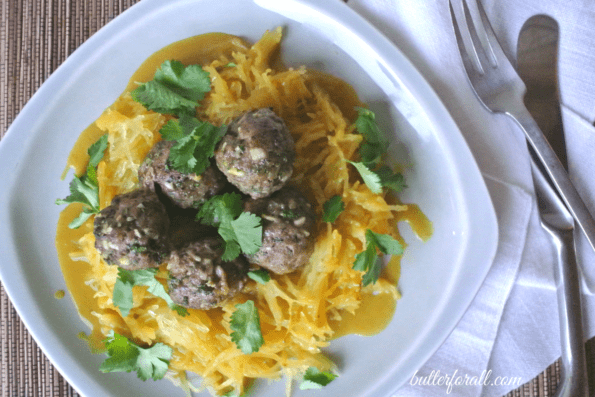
point(35, 37)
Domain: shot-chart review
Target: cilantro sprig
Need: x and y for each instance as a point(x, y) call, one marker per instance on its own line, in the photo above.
point(241, 231)
point(367, 260)
point(126, 356)
point(84, 189)
point(175, 89)
point(245, 324)
point(371, 150)
point(316, 379)
point(195, 143)
point(122, 295)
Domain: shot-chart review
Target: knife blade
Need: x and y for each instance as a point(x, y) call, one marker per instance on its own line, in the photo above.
point(537, 60)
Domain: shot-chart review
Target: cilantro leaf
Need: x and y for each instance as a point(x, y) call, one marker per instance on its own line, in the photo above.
point(367, 260)
point(371, 179)
point(126, 356)
point(248, 230)
point(245, 322)
point(375, 142)
point(316, 379)
point(172, 131)
point(219, 209)
point(85, 189)
point(241, 231)
point(97, 150)
point(385, 243)
point(175, 89)
point(392, 180)
point(195, 143)
point(122, 294)
point(260, 276)
point(332, 209)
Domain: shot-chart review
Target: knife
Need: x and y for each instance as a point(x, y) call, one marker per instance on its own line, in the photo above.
point(537, 59)
point(536, 65)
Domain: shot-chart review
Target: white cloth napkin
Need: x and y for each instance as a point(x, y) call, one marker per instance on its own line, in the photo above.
point(511, 329)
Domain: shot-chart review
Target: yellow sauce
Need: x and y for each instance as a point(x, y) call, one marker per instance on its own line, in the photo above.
point(376, 311)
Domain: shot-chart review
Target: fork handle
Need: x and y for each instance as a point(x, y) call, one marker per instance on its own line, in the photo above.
point(556, 172)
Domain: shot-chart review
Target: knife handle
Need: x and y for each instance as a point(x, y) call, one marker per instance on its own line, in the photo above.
point(574, 380)
point(556, 172)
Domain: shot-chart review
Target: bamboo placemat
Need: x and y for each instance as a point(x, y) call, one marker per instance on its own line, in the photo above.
point(36, 36)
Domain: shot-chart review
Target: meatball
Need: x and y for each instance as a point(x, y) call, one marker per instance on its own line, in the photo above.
point(200, 279)
point(184, 190)
point(288, 222)
point(132, 231)
point(256, 155)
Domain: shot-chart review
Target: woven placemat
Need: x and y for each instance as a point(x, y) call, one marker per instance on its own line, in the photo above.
point(35, 37)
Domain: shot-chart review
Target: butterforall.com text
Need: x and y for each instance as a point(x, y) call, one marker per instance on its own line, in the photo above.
point(436, 378)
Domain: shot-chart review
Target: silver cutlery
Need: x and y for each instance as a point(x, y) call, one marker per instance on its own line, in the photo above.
point(501, 90)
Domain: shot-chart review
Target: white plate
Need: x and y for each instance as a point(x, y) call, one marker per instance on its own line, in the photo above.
point(439, 277)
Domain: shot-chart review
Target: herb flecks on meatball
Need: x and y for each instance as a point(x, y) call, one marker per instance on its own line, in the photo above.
point(184, 190)
point(257, 153)
point(288, 223)
point(132, 231)
point(199, 279)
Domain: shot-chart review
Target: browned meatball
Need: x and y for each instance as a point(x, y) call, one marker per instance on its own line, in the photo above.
point(256, 155)
point(288, 223)
point(185, 190)
point(199, 279)
point(132, 231)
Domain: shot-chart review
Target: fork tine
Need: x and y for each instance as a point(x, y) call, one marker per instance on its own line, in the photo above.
point(463, 36)
point(479, 20)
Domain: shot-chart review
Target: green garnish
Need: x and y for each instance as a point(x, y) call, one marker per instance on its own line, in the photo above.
point(175, 89)
point(371, 179)
point(245, 322)
point(371, 150)
point(195, 143)
point(316, 379)
point(260, 276)
point(126, 356)
point(367, 260)
point(84, 189)
point(375, 141)
point(241, 231)
point(122, 295)
point(332, 209)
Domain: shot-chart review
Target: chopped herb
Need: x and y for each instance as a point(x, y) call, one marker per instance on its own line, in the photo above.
point(316, 379)
point(367, 260)
point(392, 180)
point(231, 65)
point(261, 276)
point(371, 179)
point(245, 322)
point(126, 356)
point(175, 89)
point(289, 214)
point(195, 143)
point(85, 189)
point(122, 295)
point(332, 209)
point(375, 142)
point(241, 231)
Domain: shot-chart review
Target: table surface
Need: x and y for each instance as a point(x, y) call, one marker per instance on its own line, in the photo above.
point(36, 36)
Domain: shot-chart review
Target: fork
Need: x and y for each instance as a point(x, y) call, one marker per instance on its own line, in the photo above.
point(500, 90)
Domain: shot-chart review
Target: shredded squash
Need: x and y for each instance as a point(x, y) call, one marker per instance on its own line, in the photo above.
point(296, 310)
